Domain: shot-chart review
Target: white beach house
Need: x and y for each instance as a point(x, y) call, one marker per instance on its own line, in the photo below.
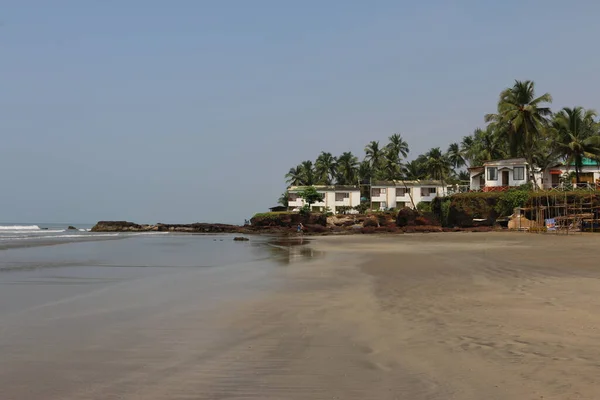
point(333, 197)
point(499, 175)
point(399, 194)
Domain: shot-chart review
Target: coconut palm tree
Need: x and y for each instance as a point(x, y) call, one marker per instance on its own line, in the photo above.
point(374, 155)
point(455, 155)
point(295, 176)
point(415, 169)
point(325, 168)
point(577, 136)
point(390, 168)
point(365, 173)
point(308, 172)
point(397, 145)
point(438, 165)
point(347, 170)
point(521, 116)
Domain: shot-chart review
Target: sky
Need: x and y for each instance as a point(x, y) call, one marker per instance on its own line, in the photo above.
point(185, 111)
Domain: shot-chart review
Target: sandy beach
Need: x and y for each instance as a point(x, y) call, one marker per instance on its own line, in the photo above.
point(423, 316)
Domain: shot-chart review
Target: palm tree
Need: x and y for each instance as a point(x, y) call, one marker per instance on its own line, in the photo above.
point(577, 136)
point(455, 156)
point(325, 168)
point(347, 171)
point(374, 155)
point(438, 165)
point(295, 176)
point(397, 145)
point(365, 173)
point(308, 172)
point(521, 116)
point(390, 168)
point(284, 199)
point(415, 169)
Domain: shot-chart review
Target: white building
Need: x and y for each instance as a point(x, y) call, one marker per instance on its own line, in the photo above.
point(333, 197)
point(557, 175)
point(499, 175)
point(399, 194)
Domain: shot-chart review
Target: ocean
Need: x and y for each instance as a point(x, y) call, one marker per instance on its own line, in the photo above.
point(74, 303)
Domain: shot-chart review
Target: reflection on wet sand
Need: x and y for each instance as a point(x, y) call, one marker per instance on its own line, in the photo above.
point(288, 250)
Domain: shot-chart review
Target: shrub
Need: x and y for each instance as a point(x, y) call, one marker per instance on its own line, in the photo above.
point(370, 222)
point(406, 217)
point(362, 208)
point(424, 206)
point(343, 209)
point(510, 200)
point(445, 211)
point(368, 229)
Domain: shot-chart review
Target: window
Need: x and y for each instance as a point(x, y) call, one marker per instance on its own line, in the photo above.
point(383, 190)
point(293, 197)
point(426, 192)
point(401, 192)
point(492, 174)
point(341, 196)
point(519, 173)
point(375, 192)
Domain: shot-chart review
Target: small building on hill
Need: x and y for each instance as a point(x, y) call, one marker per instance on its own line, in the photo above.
point(334, 197)
point(558, 174)
point(400, 194)
point(499, 175)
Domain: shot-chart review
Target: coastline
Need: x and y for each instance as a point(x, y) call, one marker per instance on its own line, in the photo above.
point(437, 316)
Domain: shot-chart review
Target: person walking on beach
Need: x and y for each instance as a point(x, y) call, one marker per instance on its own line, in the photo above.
point(300, 228)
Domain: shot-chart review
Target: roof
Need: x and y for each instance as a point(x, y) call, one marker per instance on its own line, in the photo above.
point(325, 188)
point(507, 161)
point(406, 183)
point(278, 208)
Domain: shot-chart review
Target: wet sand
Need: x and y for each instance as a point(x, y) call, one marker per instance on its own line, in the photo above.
point(434, 316)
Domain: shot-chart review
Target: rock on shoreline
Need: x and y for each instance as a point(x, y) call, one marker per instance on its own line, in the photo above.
point(126, 226)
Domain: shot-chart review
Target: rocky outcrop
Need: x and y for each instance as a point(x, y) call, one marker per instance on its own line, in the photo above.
point(287, 219)
point(125, 226)
point(71, 228)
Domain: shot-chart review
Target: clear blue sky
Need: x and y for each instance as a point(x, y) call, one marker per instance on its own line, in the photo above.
point(182, 111)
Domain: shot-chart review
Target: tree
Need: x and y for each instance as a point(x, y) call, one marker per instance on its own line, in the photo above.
point(520, 117)
point(415, 169)
point(308, 173)
point(310, 196)
point(397, 145)
point(295, 176)
point(364, 172)
point(374, 155)
point(325, 168)
point(347, 169)
point(284, 199)
point(577, 136)
point(437, 165)
point(455, 155)
point(390, 168)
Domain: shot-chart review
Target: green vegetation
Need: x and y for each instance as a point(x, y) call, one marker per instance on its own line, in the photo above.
point(424, 207)
point(511, 199)
point(310, 196)
point(522, 126)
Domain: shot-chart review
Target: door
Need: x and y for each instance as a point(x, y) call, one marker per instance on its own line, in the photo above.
point(504, 178)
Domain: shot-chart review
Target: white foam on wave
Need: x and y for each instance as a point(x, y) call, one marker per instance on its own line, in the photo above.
point(57, 236)
point(19, 228)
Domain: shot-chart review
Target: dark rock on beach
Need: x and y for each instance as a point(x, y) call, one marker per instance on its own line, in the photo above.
point(71, 228)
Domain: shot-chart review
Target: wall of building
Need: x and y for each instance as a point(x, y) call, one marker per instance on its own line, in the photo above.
point(395, 198)
point(329, 200)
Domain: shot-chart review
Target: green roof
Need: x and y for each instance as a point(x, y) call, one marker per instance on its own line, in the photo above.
point(587, 162)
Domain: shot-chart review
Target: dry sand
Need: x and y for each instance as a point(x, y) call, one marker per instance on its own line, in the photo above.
point(425, 316)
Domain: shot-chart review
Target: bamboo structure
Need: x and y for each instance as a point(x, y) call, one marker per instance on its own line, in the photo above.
point(558, 214)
